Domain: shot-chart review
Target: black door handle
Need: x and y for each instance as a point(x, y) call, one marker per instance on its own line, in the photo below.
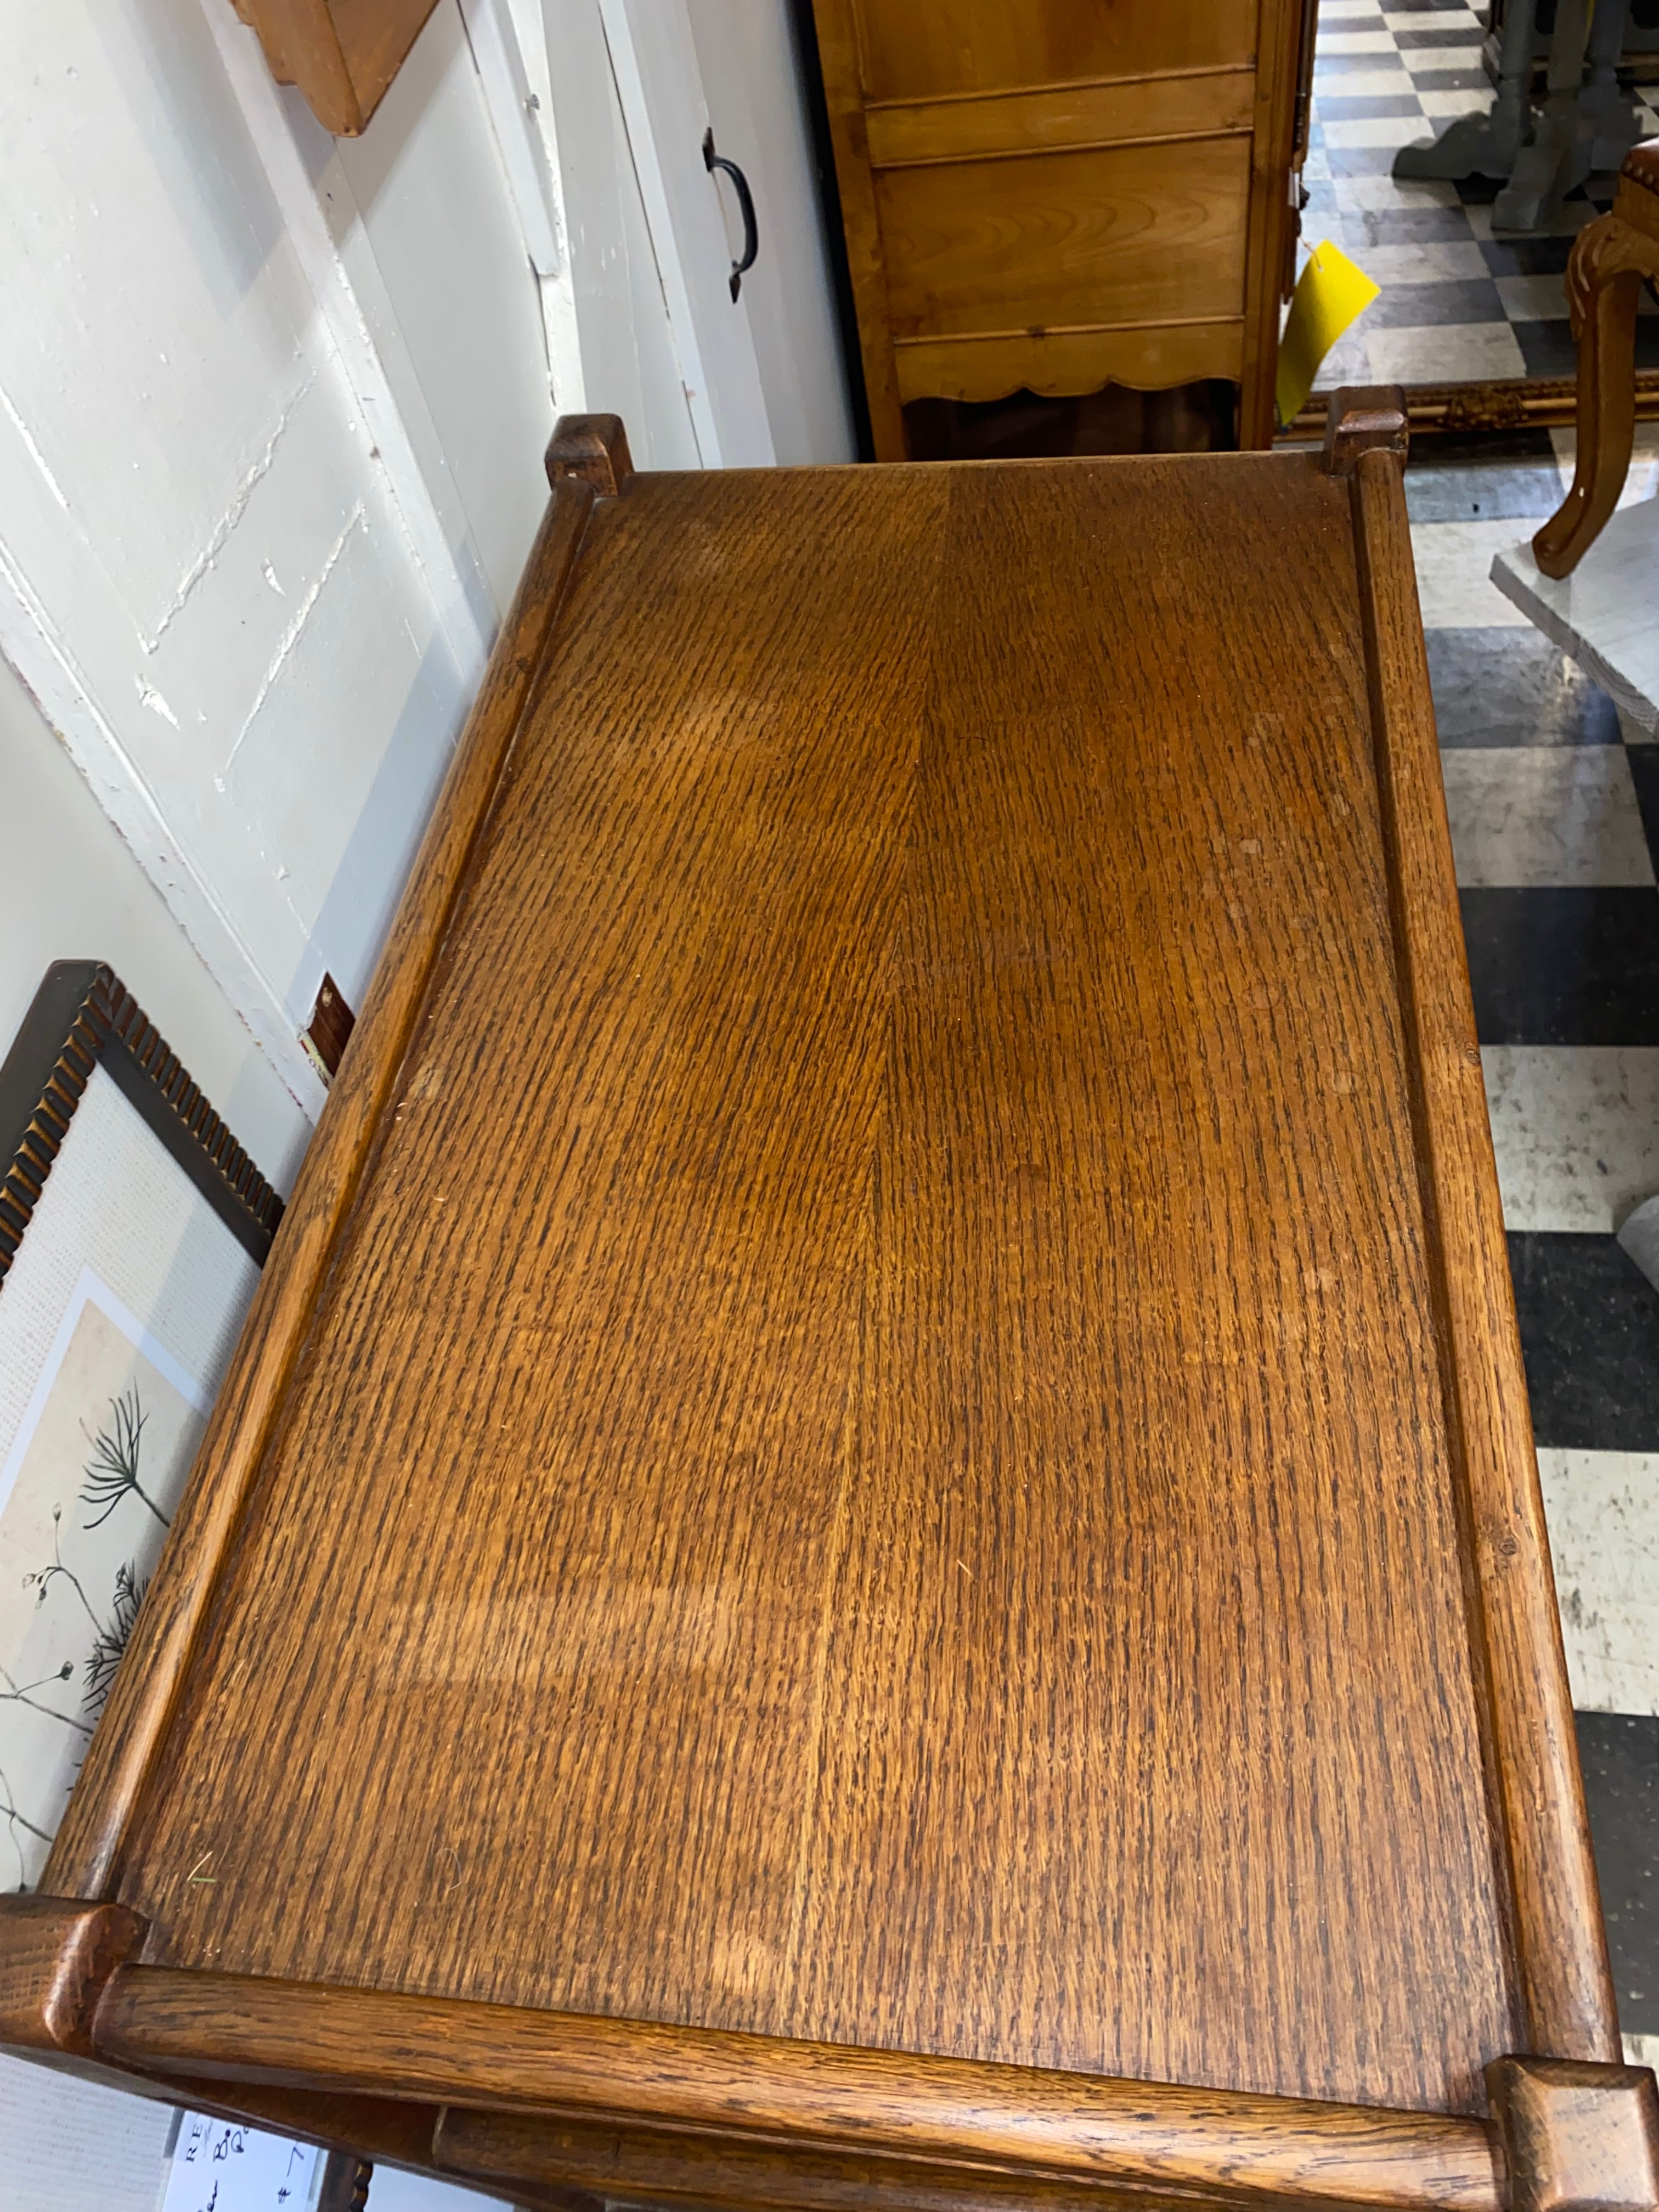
point(711, 162)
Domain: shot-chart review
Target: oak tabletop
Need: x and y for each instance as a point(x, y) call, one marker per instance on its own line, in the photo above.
point(873, 1464)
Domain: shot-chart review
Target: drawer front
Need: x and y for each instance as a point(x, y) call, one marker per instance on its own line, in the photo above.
point(1194, 103)
point(1109, 235)
point(910, 49)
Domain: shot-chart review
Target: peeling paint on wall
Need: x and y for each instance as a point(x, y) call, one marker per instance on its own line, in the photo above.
point(290, 638)
point(227, 522)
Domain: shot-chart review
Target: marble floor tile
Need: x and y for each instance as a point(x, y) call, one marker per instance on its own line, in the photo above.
point(1533, 299)
point(1440, 103)
point(1472, 80)
point(1564, 967)
point(1642, 480)
point(1603, 613)
point(1343, 43)
point(1450, 31)
point(1348, 361)
point(1547, 348)
point(1431, 263)
point(1365, 82)
point(1403, 226)
point(1527, 257)
point(1618, 1758)
point(1462, 301)
point(1590, 1335)
point(1448, 353)
point(1644, 773)
point(1360, 194)
point(1350, 11)
point(1359, 160)
point(1576, 1129)
point(1550, 349)
point(1462, 491)
point(1545, 816)
point(1451, 20)
point(1602, 1510)
point(1500, 687)
point(1419, 59)
point(1357, 107)
point(1565, 222)
point(1453, 559)
point(1389, 131)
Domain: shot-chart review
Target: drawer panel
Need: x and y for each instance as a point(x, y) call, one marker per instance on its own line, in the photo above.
point(1116, 234)
point(914, 48)
point(1060, 116)
point(1062, 363)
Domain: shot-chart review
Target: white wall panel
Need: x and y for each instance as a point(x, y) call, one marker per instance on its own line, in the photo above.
point(258, 518)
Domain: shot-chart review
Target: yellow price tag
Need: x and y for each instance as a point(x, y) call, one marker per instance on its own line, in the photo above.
point(1329, 293)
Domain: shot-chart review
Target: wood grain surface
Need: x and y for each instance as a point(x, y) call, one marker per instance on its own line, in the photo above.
point(522, 2154)
point(1113, 235)
point(342, 54)
point(750, 2090)
point(1145, 356)
point(1135, 165)
point(1578, 2135)
point(1562, 1980)
point(82, 1862)
point(996, 125)
point(873, 1462)
point(932, 46)
point(56, 1955)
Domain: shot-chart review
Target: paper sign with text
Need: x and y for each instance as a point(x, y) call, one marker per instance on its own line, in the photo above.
point(219, 2167)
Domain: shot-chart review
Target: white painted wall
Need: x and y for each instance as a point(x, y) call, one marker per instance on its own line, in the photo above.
point(272, 409)
point(752, 86)
point(272, 413)
point(459, 305)
point(652, 236)
point(70, 889)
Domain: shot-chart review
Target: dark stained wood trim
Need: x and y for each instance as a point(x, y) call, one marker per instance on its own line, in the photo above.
point(328, 1033)
point(344, 2184)
point(1576, 2138)
point(84, 1861)
point(593, 447)
point(1565, 1992)
point(55, 1956)
point(1362, 418)
point(1224, 2146)
point(539, 2160)
point(83, 1017)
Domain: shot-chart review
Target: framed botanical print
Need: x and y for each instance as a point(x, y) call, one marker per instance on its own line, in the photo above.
point(133, 1229)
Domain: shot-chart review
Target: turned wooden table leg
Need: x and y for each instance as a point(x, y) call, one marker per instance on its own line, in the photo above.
point(1601, 289)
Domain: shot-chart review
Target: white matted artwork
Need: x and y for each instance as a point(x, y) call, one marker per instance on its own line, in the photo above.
point(86, 1494)
point(127, 1274)
point(132, 1228)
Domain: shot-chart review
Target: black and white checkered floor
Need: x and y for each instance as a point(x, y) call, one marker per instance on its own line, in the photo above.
point(1457, 305)
point(1555, 823)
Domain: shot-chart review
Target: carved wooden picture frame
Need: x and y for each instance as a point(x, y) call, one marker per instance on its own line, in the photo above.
point(133, 1229)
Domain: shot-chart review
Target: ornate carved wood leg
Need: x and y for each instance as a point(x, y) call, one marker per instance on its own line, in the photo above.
point(1601, 293)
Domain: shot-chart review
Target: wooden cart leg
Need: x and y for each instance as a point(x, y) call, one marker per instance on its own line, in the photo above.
point(1606, 397)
